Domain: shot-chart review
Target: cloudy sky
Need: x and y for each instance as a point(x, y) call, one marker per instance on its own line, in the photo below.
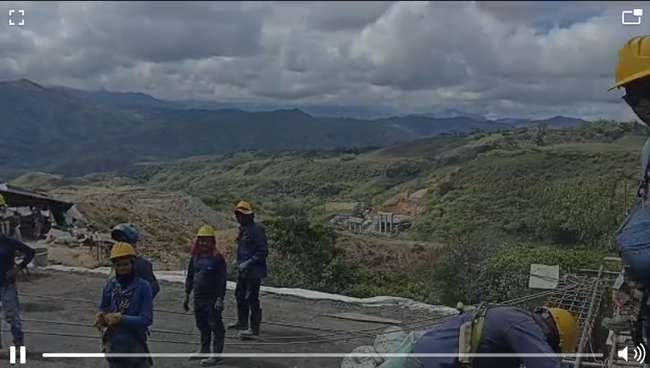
point(526, 59)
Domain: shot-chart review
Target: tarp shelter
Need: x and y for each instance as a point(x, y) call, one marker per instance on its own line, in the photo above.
point(18, 197)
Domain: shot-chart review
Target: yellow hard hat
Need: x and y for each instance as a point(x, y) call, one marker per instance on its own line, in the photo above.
point(567, 328)
point(2, 200)
point(244, 207)
point(206, 230)
point(121, 249)
point(633, 61)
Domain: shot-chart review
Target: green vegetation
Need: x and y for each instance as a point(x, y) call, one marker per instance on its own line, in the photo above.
point(498, 201)
point(305, 255)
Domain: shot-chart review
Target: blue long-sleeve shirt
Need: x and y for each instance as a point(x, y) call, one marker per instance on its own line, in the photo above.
point(135, 302)
point(206, 276)
point(505, 330)
point(253, 246)
point(8, 248)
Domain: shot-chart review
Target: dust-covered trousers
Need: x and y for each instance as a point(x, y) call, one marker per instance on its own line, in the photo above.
point(210, 324)
point(11, 310)
point(247, 293)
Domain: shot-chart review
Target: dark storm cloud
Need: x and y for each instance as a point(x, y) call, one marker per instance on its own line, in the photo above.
point(496, 58)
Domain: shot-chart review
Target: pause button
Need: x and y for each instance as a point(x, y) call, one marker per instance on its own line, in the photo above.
point(12, 355)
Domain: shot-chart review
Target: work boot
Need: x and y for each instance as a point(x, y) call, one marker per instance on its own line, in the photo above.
point(211, 362)
point(618, 324)
point(254, 330)
point(242, 319)
point(217, 348)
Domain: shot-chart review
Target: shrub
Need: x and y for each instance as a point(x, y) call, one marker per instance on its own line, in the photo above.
point(305, 255)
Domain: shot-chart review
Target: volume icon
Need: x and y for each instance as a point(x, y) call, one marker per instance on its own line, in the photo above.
point(639, 353)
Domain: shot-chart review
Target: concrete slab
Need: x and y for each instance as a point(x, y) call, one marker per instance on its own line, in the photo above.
point(291, 325)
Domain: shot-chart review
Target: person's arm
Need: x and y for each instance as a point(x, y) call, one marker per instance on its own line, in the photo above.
point(27, 251)
point(145, 317)
point(105, 304)
point(261, 245)
point(526, 337)
point(222, 277)
point(189, 279)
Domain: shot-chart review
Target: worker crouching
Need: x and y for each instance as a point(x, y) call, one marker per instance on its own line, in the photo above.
point(125, 312)
point(206, 277)
point(537, 337)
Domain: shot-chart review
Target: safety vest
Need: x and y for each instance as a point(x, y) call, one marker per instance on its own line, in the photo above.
point(471, 336)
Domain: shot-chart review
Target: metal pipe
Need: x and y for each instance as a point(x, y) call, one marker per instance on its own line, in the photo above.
point(586, 328)
point(596, 271)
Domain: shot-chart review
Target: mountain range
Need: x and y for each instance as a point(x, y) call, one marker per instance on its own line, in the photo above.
point(71, 131)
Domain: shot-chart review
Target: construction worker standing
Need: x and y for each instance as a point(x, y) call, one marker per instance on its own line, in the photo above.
point(633, 236)
point(125, 311)
point(206, 277)
point(499, 330)
point(8, 272)
point(252, 249)
point(127, 233)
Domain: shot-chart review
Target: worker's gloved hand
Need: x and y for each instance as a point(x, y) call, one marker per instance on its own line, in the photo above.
point(244, 265)
point(11, 275)
point(186, 303)
point(218, 305)
point(100, 322)
point(113, 319)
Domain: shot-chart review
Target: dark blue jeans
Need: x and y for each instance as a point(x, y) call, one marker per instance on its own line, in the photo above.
point(210, 324)
point(11, 309)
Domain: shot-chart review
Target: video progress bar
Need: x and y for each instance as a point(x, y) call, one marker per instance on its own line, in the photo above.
point(320, 355)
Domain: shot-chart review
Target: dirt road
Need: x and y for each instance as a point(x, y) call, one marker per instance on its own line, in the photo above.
point(292, 325)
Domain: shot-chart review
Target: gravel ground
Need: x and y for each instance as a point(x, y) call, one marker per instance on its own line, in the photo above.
point(316, 333)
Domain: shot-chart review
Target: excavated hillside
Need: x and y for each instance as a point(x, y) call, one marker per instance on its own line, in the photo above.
point(167, 220)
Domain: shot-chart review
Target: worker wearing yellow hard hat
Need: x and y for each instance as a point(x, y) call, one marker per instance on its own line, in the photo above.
point(633, 236)
point(252, 250)
point(128, 233)
point(126, 310)
point(633, 72)
point(536, 336)
point(206, 279)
